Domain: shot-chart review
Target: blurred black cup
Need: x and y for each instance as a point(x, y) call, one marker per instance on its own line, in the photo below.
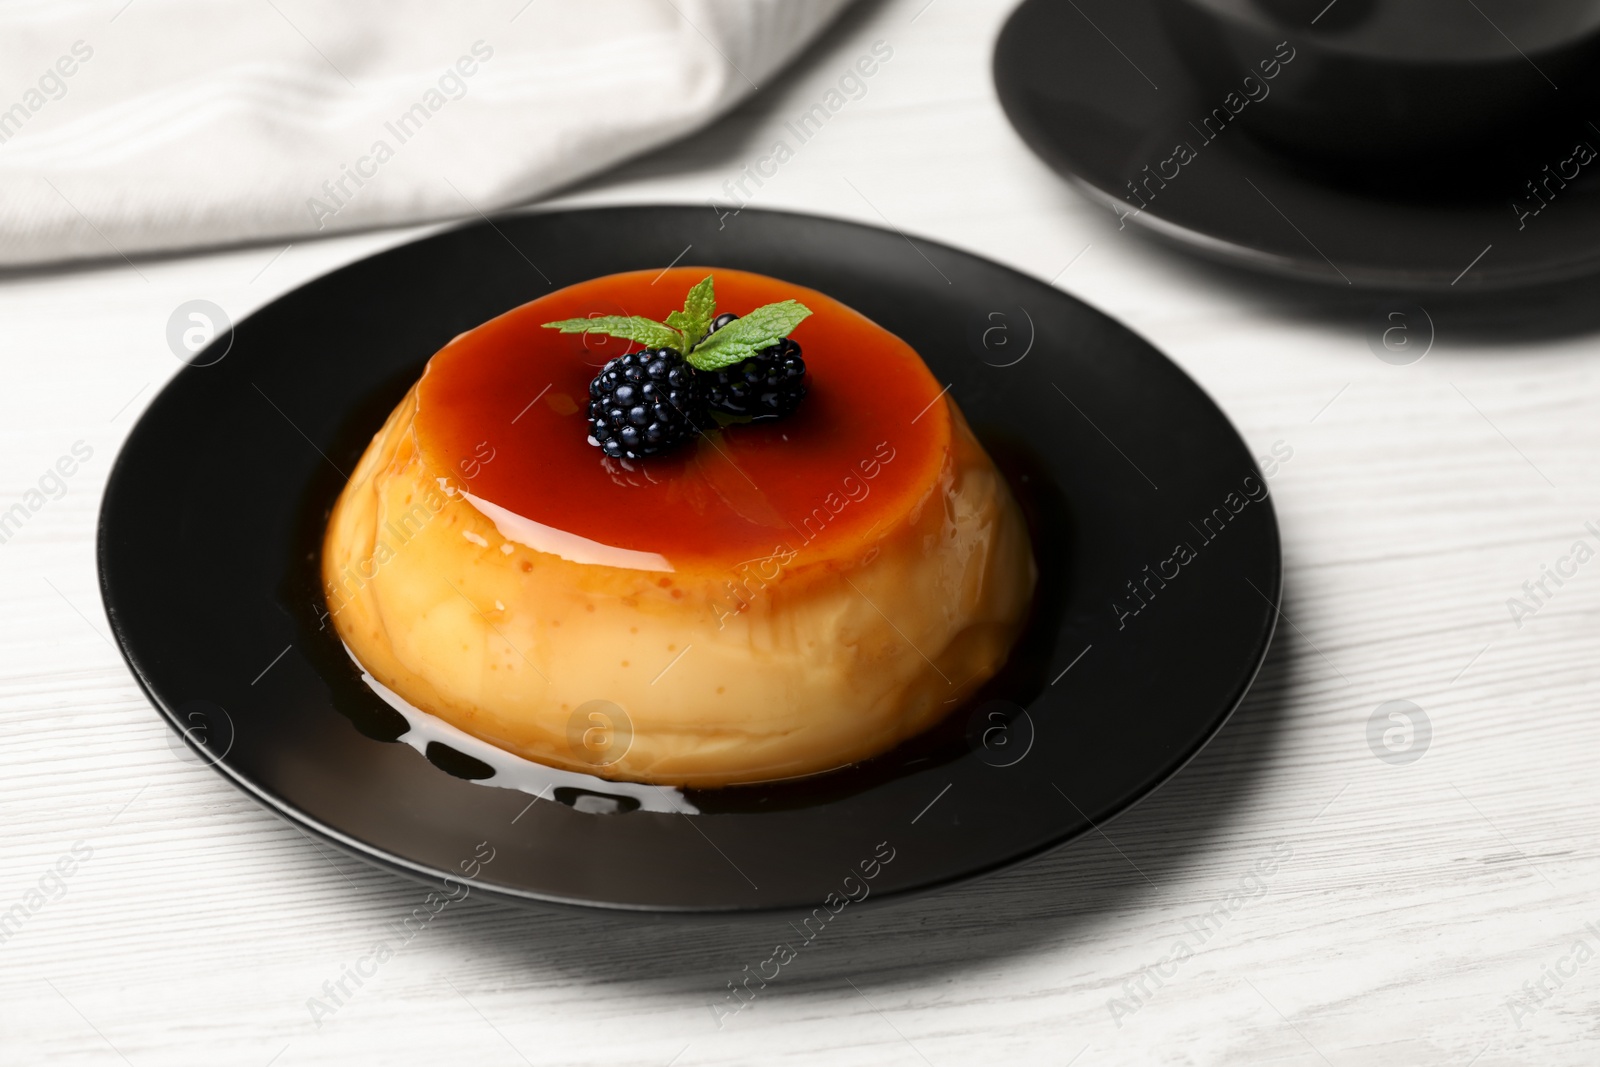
point(1369, 89)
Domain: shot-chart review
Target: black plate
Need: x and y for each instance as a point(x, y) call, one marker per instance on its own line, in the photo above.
point(1096, 89)
point(210, 523)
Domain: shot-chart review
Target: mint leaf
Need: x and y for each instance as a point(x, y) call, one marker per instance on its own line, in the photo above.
point(645, 331)
point(737, 341)
point(699, 308)
point(744, 337)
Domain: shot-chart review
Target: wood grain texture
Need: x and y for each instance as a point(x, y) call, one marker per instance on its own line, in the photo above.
point(1406, 907)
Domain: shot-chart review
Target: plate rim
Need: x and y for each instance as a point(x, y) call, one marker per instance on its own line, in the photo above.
point(514, 895)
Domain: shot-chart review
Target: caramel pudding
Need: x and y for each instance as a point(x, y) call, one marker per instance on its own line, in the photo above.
point(773, 598)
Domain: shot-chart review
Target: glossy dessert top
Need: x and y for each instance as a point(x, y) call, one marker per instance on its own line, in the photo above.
point(503, 408)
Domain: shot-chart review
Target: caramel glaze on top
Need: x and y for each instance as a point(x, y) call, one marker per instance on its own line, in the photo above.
point(504, 406)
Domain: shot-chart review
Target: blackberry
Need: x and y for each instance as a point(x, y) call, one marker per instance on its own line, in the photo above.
point(769, 384)
point(644, 403)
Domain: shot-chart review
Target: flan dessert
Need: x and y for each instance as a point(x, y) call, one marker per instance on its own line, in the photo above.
point(764, 564)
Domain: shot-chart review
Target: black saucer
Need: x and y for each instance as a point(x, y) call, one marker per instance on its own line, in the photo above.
point(213, 514)
point(1096, 89)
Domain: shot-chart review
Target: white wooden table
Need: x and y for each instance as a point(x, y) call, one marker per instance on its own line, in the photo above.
point(1438, 911)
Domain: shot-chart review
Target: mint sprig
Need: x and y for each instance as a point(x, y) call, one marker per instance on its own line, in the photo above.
point(744, 337)
point(699, 308)
point(685, 330)
point(647, 332)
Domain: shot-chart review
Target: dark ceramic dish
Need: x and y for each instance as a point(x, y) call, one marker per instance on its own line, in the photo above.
point(211, 521)
point(1311, 154)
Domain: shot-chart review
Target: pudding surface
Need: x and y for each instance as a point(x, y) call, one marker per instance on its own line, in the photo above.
point(724, 498)
point(772, 599)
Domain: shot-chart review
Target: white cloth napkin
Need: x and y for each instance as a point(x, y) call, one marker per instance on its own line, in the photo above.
point(153, 125)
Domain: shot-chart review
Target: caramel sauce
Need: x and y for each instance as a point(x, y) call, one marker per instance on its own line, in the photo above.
point(503, 408)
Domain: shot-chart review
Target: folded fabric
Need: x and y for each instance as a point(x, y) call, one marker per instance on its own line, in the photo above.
point(153, 125)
